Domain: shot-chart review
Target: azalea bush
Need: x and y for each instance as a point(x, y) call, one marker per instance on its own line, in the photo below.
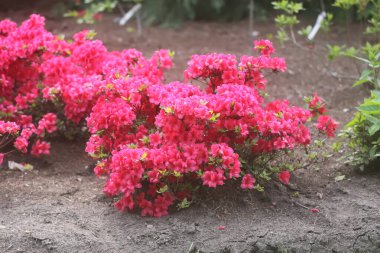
point(49, 84)
point(156, 143)
point(160, 143)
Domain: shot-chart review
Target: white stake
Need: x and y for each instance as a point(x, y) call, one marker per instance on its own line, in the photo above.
point(317, 25)
point(127, 16)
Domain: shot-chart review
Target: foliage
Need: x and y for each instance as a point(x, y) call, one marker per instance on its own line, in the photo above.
point(363, 132)
point(173, 13)
point(88, 11)
point(367, 9)
point(168, 13)
point(290, 18)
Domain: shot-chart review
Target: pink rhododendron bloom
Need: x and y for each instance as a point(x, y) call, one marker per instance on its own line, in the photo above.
point(284, 176)
point(317, 106)
point(1, 158)
point(327, 125)
point(248, 181)
point(213, 178)
point(265, 47)
point(21, 144)
point(40, 148)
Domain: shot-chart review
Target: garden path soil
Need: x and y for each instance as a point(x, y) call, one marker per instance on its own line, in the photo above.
point(59, 207)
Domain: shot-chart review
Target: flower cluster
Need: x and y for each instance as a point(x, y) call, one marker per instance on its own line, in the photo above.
point(217, 69)
point(43, 76)
point(325, 123)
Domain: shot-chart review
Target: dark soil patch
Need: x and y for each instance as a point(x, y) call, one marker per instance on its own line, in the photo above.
point(59, 207)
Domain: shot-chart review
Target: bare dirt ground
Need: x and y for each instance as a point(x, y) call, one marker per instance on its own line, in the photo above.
point(59, 206)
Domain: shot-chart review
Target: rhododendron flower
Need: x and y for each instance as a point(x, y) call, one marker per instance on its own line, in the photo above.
point(213, 178)
point(248, 181)
point(316, 106)
point(7, 127)
point(284, 176)
point(48, 123)
point(40, 148)
point(327, 125)
point(265, 47)
point(21, 144)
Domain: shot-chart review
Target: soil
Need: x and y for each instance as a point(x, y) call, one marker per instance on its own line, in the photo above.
point(59, 205)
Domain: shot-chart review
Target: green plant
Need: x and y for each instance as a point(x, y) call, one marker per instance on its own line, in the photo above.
point(290, 17)
point(168, 13)
point(88, 11)
point(363, 132)
point(287, 20)
point(366, 9)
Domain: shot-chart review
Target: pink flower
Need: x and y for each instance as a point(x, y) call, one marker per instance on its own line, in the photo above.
point(213, 178)
point(21, 144)
point(155, 139)
point(284, 176)
point(327, 125)
point(314, 210)
point(248, 181)
point(40, 148)
point(316, 105)
point(265, 47)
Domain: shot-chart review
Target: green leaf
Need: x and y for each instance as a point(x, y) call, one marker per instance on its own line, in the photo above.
point(360, 82)
point(163, 189)
point(334, 51)
point(373, 129)
point(369, 108)
point(305, 31)
point(372, 119)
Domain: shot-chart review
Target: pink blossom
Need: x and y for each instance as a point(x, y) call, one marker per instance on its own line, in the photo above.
point(284, 176)
point(247, 182)
point(327, 125)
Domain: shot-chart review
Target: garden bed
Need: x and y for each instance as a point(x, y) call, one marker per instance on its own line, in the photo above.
point(58, 206)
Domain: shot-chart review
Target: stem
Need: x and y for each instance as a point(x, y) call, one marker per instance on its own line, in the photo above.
point(6, 143)
point(10, 151)
point(293, 36)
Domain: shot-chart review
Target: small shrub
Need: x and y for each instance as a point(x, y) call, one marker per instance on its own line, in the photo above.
point(160, 143)
point(49, 84)
point(363, 133)
point(157, 143)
